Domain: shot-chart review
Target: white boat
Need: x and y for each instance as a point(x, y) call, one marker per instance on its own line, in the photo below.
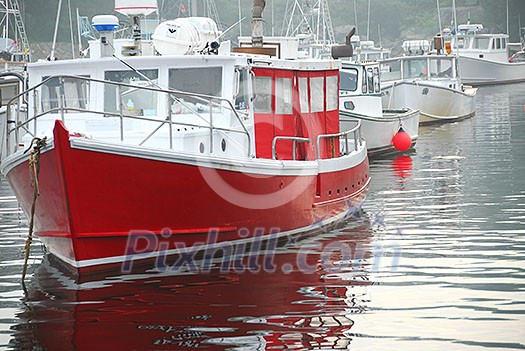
point(360, 101)
point(366, 50)
point(429, 83)
point(484, 58)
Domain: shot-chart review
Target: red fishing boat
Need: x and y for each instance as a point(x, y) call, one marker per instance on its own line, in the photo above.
point(140, 154)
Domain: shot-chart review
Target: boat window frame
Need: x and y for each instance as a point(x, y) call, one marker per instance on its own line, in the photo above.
point(283, 95)
point(347, 73)
point(262, 101)
point(242, 88)
point(303, 94)
point(84, 87)
point(211, 74)
point(332, 92)
point(317, 101)
point(141, 107)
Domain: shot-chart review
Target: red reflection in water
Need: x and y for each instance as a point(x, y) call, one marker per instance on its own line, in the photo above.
point(151, 311)
point(402, 166)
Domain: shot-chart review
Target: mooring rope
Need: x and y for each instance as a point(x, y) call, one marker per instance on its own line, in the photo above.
point(34, 169)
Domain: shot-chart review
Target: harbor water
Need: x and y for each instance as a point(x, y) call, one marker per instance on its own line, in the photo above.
point(434, 261)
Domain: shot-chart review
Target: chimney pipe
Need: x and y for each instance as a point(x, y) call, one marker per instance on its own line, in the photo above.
point(257, 23)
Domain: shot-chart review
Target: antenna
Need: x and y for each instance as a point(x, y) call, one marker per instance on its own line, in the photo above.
point(53, 46)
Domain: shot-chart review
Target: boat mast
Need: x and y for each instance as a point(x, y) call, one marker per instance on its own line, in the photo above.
point(439, 18)
point(508, 29)
point(53, 46)
point(455, 24)
point(368, 22)
point(313, 23)
point(71, 29)
point(240, 17)
point(355, 15)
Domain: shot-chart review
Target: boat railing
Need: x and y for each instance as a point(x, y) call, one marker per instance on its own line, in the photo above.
point(356, 134)
point(294, 141)
point(208, 117)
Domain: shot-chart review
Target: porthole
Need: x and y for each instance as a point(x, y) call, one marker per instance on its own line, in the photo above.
point(223, 145)
point(201, 148)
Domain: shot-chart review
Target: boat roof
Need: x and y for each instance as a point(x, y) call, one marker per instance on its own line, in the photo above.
point(81, 66)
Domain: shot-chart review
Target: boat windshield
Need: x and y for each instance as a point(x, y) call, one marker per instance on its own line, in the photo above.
point(415, 68)
point(440, 68)
point(480, 43)
point(349, 79)
point(136, 101)
point(74, 92)
point(198, 80)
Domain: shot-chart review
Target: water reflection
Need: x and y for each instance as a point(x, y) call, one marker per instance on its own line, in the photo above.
point(402, 165)
point(442, 239)
point(177, 310)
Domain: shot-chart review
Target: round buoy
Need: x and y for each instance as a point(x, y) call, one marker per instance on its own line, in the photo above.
point(402, 140)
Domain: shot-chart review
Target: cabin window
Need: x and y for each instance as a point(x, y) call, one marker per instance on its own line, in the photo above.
point(481, 43)
point(370, 80)
point(377, 87)
point(196, 80)
point(415, 68)
point(373, 57)
point(364, 83)
point(283, 96)
point(242, 94)
point(303, 94)
point(391, 71)
point(348, 79)
point(332, 93)
point(8, 91)
point(503, 43)
point(263, 96)
point(75, 92)
point(317, 94)
point(131, 99)
point(440, 68)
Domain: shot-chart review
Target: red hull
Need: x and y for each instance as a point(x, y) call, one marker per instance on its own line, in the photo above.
point(92, 200)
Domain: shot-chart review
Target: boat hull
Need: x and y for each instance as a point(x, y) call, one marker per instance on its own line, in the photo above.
point(435, 103)
point(101, 205)
point(476, 71)
point(379, 131)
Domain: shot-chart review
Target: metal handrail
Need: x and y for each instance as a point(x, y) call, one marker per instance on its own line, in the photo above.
point(357, 137)
point(212, 101)
point(294, 140)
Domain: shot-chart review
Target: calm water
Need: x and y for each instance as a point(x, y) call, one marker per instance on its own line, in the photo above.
point(435, 262)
